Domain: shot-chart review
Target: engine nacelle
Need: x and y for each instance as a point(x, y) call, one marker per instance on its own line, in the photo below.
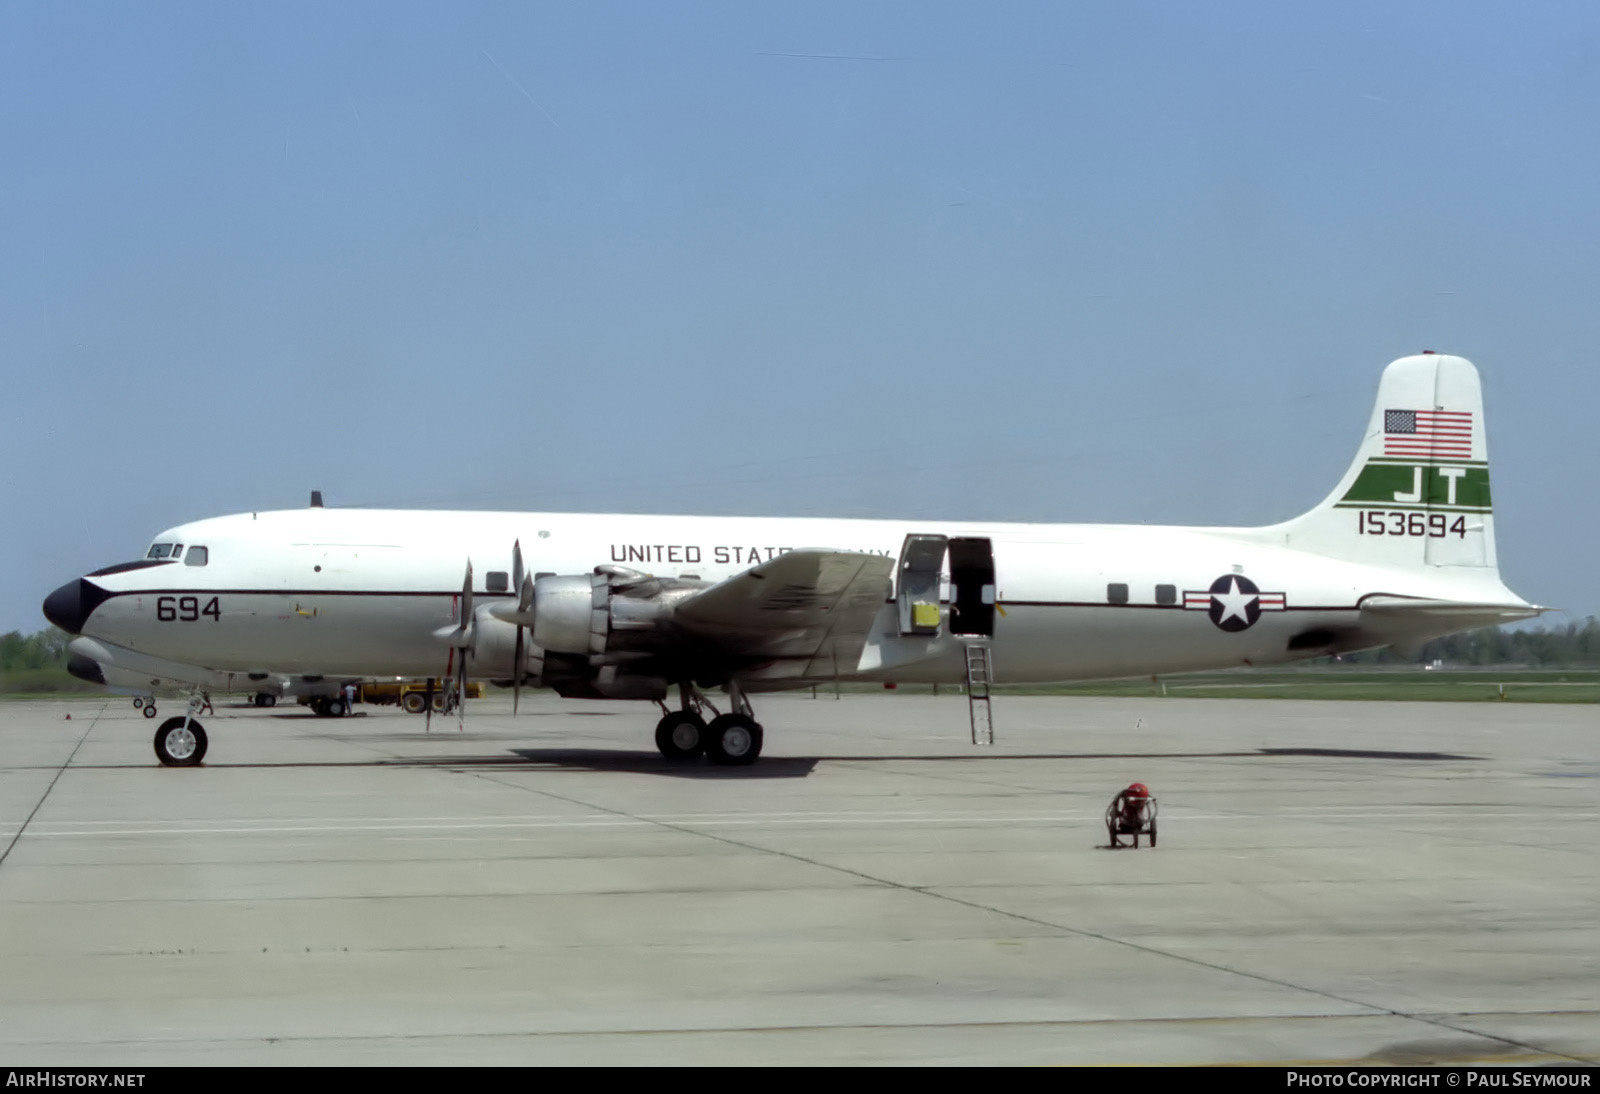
point(570, 613)
point(614, 609)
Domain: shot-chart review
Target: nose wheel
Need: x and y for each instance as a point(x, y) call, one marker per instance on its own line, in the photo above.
point(180, 742)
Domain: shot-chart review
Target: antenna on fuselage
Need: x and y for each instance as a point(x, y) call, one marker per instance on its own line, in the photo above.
point(316, 499)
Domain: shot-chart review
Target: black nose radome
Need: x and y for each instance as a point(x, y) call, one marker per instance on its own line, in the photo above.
point(69, 606)
point(85, 668)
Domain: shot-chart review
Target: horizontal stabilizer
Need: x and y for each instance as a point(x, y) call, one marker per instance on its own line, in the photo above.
point(1445, 615)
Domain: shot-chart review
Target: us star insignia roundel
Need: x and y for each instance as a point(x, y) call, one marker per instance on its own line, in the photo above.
point(1233, 602)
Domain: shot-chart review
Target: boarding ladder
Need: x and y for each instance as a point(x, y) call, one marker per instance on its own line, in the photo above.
point(980, 674)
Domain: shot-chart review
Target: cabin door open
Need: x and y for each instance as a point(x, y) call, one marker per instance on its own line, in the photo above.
point(972, 587)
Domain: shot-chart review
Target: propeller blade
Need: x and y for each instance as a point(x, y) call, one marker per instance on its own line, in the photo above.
point(461, 693)
point(466, 598)
point(516, 674)
point(519, 579)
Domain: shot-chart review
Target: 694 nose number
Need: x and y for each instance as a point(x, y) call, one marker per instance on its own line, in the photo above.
point(186, 609)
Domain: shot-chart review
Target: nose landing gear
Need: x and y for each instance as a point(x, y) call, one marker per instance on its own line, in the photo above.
point(181, 741)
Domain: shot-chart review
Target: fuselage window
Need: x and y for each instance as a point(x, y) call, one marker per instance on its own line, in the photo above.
point(198, 556)
point(159, 550)
point(1166, 594)
point(1116, 593)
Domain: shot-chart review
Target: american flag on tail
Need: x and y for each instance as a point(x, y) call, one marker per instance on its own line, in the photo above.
point(1428, 433)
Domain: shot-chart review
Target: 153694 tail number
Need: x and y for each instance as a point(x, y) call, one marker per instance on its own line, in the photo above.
point(1375, 522)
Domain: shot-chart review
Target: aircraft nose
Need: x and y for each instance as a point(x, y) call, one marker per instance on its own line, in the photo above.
point(85, 668)
point(69, 606)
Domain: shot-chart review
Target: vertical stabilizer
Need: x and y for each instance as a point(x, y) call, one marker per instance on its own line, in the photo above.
point(1417, 494)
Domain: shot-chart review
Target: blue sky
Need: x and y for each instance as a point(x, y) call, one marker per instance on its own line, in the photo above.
point(752, 258)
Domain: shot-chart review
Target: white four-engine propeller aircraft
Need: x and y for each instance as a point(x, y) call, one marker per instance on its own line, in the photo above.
point(631, 607)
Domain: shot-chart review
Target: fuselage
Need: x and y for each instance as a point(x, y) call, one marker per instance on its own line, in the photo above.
point(352, 592)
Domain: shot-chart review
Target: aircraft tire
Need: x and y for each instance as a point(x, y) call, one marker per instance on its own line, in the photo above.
point(319, 707)
point(733, 740)
point(180, 747)
point(137, 703)
point(269, 700)
point(414, 702)
point(1152, 833)
point(336, 708)
point(681, 735)
point(149, 710)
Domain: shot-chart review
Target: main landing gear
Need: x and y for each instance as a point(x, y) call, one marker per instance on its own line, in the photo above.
point(181, 741)
point(732, 739)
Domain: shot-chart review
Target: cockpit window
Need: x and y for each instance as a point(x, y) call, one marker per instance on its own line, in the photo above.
point(177, 550)
point(197, 556)
point(160, 550)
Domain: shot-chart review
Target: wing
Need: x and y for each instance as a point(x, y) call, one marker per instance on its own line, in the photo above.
point(807, 612)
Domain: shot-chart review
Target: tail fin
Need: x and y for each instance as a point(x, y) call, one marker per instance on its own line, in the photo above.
point(1417, 494)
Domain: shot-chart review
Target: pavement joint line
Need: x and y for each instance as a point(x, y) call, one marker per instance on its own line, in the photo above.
point(59, 772)
point(873, 1026)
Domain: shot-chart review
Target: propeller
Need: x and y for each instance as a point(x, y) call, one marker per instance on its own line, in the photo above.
point(460, 637)
point(467, 623)
point(524, 586)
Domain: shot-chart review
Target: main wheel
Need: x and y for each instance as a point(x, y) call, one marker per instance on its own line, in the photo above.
point(681, 735)
point(180, 745)
point(149, 710)
point(732, 739)
point(336, 708)
point(414, 702)
point(269, 700)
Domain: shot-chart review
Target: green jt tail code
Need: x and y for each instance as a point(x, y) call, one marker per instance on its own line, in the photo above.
point(1460, 486)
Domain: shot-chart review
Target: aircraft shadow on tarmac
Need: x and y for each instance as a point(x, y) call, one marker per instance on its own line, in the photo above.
point(798, 767)
point(595, 759)
point(783, 767)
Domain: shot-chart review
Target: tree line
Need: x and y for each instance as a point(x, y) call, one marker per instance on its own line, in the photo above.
point(1574, 644)
point(45, 650)
point(1555, 647)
